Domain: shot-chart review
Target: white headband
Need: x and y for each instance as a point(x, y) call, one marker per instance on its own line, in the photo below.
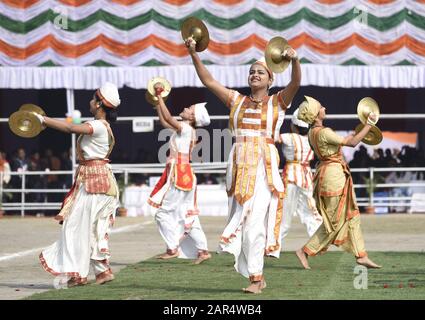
point(202, 118)
point(108, 93)
point(297, 121)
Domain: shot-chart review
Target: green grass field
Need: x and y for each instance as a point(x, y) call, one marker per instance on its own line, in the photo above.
point(332, 277)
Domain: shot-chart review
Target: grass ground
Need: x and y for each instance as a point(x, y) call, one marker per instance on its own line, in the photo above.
point(332, 277)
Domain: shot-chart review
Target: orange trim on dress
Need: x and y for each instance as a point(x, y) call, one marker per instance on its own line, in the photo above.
point(55, 273)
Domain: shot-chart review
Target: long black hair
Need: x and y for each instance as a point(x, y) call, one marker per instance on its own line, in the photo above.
point(111, 114)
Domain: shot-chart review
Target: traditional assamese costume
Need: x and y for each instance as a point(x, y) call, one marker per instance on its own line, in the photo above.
point(298, 180)
point(88, 211)
point(253, 182)
point(173, 200)
point(333, 190)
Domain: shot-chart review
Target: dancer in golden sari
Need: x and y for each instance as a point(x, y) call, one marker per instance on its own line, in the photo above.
point(333, 188)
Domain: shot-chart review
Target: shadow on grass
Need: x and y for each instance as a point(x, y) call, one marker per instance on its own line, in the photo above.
point(26, 286)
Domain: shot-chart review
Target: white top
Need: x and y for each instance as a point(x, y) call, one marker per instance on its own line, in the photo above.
point(251, 123)
point(295, 147)
point(180, 142)
point(96, 145)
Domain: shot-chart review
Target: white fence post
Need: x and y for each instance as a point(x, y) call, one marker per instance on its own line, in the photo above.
point(23, 195)
point(371, 176)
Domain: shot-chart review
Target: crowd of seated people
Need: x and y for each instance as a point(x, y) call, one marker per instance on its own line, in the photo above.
point(406, 157)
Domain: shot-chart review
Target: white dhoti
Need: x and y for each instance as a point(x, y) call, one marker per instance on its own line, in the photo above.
point(178, 223)
point(84, 237)
point(253, 183)
point(299, 202)
point(250, 229)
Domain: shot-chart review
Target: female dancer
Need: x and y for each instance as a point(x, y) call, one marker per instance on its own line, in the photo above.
point(88, 211)
point(254, 186)
point(175, 193)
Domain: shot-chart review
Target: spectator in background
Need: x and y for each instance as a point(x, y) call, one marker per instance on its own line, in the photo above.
point(421, 157)
point(66, 165)
point(20, 161)
point(389, 159)
point(53, 182)
point(396, 153)
point(361, 159)
point(139, 179)
point(5, 170)
point(36, 181)
point(379, 160)
point(207, 178)
point(19, 164)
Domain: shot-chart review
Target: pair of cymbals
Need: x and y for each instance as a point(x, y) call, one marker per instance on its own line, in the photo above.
point(24, 122)
point(196, 29)
point(364, 107)
point(275, 54)
point(373, 137)
point(150, 93)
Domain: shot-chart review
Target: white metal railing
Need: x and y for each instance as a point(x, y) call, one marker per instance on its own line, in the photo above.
point(212, 167)
point(226, 117)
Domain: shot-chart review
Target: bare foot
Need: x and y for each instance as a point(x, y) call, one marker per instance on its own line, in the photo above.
point(105, 278)
point(263, 284)
point(365, 261)
point(303, 258)
point(76, 281)
point(168, 255)
point(254, 287)
point(202, 258)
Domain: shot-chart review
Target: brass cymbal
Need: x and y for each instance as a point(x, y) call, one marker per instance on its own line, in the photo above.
point(274, 54)
point(25, 124)
point(153, 100)
point(365, 106)
point(373, 137)
point(194, 28)
point(149, 99)
point(165, 84)
point(32, 108)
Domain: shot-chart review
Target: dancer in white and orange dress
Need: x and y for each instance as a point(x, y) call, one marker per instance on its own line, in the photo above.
point(88, 211)
point(254, 185)
point(174, 197)
point(298, 179)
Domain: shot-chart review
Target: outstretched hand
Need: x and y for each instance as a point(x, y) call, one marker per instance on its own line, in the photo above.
point(372, 118)
point(290, 54)
point(41, 118)
point(190, 45)
point(159, 88)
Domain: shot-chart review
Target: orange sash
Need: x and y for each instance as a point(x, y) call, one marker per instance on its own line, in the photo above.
point(183, 176)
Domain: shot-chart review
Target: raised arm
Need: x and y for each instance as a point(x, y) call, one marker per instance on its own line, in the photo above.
point(291, 89)
point(166, 119)
point(205, 76)
point(65, 126)
point(354, 139)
